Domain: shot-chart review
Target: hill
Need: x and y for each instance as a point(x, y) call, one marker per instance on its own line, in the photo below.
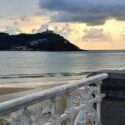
point(45, 41)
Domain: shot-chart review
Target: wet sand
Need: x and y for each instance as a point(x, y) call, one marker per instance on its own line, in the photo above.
point(8, 93)
point(13, 90)
point(4, 91)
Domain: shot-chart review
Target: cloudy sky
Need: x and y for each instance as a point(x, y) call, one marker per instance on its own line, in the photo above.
point(90, 24)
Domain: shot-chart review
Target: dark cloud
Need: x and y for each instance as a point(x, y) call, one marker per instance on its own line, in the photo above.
point(92, 12)
point(96, 35)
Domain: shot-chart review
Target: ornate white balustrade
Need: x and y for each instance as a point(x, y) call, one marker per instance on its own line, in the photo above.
point(77, 103)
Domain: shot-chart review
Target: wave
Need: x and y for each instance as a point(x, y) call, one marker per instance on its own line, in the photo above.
point(61, 74)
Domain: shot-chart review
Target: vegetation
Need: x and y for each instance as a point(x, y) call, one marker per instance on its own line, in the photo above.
point(46, 41)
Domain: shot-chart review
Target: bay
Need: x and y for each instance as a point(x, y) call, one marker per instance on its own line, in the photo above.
point(34, 69)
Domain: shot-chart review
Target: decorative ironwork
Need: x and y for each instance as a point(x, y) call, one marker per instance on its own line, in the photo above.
point(80, 105)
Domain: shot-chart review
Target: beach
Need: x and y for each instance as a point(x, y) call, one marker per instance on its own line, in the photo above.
point(8, 90)
point(8, 93)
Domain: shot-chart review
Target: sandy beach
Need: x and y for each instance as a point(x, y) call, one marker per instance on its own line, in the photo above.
point(8, 90)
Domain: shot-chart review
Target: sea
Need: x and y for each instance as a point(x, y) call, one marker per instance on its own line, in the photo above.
point(29, 69)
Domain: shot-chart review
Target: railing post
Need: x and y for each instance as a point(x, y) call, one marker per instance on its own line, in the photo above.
point(55, 112)
point(99, 101)
point(86, 108)
point(69, 108)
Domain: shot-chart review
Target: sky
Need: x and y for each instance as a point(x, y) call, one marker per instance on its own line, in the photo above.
point(89, 24)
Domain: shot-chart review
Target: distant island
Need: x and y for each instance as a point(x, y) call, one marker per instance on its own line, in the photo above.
point(45, 41)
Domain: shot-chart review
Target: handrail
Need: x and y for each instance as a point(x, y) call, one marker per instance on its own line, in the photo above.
point(22, 102)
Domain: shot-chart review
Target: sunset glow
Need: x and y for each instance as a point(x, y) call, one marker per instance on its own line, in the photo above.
point(103, 31)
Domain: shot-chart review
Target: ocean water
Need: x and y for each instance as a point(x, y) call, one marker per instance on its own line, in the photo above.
point(34, 69)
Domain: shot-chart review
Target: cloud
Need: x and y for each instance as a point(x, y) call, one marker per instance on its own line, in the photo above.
point(65, 30)
point(12, 30)
point(91, 12)
point(15, 23)
point(24, 18)
point(122, 35)
point(96, 35)
point(13, 18)
point(18, 8)
point(42, 28)
point(43, 13)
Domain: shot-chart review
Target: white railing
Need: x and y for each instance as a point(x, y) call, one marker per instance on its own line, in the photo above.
point(76, 103)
